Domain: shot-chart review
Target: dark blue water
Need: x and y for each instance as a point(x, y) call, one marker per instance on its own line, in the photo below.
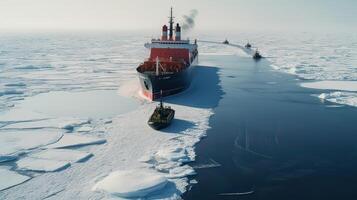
point(272, 137)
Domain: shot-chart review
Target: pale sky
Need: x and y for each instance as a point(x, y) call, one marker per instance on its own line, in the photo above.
point(225, 15)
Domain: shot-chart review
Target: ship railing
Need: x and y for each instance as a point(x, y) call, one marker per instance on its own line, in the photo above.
point(161, 73)
point(166, 60)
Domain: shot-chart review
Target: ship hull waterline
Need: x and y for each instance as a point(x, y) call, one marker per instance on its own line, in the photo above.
point(169, 84)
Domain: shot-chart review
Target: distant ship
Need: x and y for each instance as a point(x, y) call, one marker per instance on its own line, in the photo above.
point(169, 67)
point(225, 42)
point(257, 55)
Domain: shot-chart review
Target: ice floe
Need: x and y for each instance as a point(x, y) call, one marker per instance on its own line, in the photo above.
point(20, 115)
point(345, 98)
point(51, 160)
point(66, 123)
point(85, 129)
point(131, 183)
point(10, 178)
point(128, 136)
point(41, 165)
point(62, 155)
point(332, 85)
point(343, 92)
point(14, 143)
point(180, 172)
point(75, 140)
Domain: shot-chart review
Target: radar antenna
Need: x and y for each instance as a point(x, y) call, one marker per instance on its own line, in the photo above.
point(171, 33)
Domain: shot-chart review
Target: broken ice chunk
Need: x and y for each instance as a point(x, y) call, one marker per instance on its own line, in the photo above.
point(62, 155)
point(68, 123)
point(172, 154)
point(41, 165)
point(10, 178)
point(20, 114)
point(71, 140)
point(180, 172)
point(85, 129)
point(131, 183)
point(13, 143)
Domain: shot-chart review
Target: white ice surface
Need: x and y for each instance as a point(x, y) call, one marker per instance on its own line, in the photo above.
point(180, 172)
point(74, 140)
point(61, 155)
point(332, 85)
point(42, 68)
point(127, 141)
point(64, 123)
point(41, 165)
point(85, 129)
point(345, 98)
point(20, 114)
point(343, 92)
point(131, 183)
point(10, 178)
point(13, 142)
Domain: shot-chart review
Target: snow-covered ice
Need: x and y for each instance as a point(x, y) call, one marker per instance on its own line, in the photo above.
point(63, 123)
point(20, 115)
point(62, 155)
point(85, 129)
point(332, 85)
point(341, 92)
point(131, 183)
point(75, 140)
point(129, 138)
point(10, 178)
point(344, 98)
point(180, 172)
point(41, 165)
point(13, 142)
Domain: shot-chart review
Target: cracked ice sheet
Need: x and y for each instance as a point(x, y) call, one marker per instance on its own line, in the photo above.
point(332, 85)
point(62, 155)
point(41, 165)
point(131, 183)
point(72, 140)
point(13, 143)
point(10, 178)
point(346, 96)
point(20, 115)
point(127, 141)
point(63, 123)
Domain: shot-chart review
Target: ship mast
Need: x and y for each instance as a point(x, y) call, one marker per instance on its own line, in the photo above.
point(171, 33)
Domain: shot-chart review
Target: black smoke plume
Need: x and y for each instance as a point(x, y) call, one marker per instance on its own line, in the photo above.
point(189, 20)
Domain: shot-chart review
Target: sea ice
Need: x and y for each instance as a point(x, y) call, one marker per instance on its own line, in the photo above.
point(180, 172)
point(72, 140)
point(129, 138)
point(131, 183)
point(172, 154)
point(65, 123)
point(41, 165)
point(85, 129)
point(332, 85)
point(347, 94)
point(20, 115)
point(62, 155)
point(10, 178)
point(346, 98)
point(10, 92)
point(13, 143)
